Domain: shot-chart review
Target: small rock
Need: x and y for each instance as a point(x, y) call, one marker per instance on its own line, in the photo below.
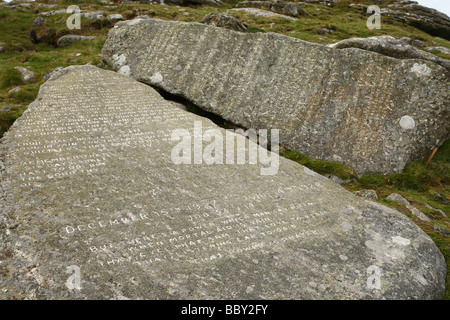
point(71, 38)
point(400, 200)
point(39, 21)
point(27, 75)
point(438, 210)
point(224, 20)
point(324, 31)
point(442, 199)
point(6, 108)
point(115, 17)
point(368, 193)
point(93, 15)
point(14, 90)
point(441, 230)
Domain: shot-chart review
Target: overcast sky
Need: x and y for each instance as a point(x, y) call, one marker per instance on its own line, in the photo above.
point(441, 5)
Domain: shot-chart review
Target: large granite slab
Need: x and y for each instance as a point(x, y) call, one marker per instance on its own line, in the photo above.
point(93, 207)
point(372, 112)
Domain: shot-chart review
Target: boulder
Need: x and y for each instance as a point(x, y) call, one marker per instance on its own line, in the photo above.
point(400, 48)
point(224, 20)
point(71, 38)
point(429, 20)
point(371, 112)
point(93, 206)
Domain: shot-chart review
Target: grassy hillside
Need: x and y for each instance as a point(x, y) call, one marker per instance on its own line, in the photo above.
point(34, 48)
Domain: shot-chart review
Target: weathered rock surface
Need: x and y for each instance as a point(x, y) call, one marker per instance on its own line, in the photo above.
point(368, 193)
point(288, 8)
point(371, 112)
point(92, 207)
point(72, 38)
point(224, 20)
point(397, 48)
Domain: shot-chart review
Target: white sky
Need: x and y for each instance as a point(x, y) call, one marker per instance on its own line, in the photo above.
point(440, 5)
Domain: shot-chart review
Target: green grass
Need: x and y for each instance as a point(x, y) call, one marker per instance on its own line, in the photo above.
point(10, 77)
point(323, 167)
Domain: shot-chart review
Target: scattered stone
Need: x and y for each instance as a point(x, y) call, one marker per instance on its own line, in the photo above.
point(443, 50)
point(14, 90)
point(401, 200)
point(51, 13)
point(263, 13)
point(441, 230)
point(442, 199)
point(315, 94)
point(2, 49)
point(6, 108)
point(288, 8)
point(115, 17)
point(103, 200)
point(71, 38)
point(27, 75)
point(324, 31)
point(224, 20)
point(368, 193)
point(93, 15)
point(438, 210)
point(39, 21)
point(400, 48)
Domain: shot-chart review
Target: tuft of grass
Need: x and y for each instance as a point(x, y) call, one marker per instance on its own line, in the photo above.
point(320, 166)
point(10, 77)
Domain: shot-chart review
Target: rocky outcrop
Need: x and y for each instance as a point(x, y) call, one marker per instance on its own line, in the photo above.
point(371, 112)
point(288, 8)
point(400, 48)
point(224, 20)
point(429, 20)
